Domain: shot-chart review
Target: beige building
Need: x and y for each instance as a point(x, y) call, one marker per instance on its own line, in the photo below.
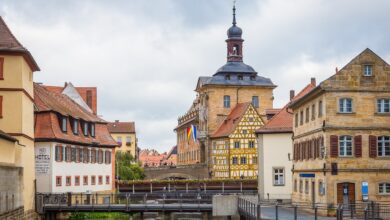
point(17, 125)
point(342, 135)
point(125, 135)
point(275, 152)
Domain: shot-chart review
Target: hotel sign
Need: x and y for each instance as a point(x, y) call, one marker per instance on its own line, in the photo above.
point(42, 160)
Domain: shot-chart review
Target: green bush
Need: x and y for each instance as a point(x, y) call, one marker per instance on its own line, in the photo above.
point(127, 168)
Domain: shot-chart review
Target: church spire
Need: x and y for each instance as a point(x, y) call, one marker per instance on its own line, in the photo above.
point(234, 41)
point(234, 13)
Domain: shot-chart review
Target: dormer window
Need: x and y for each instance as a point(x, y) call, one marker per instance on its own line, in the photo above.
point(92, 127)
point(63, 123)
point(75, 126)
point(240, 77)
point(227, 77)
point(367, 70)
point(85, 129)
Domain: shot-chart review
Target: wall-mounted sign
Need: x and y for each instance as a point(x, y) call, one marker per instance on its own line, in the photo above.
point(42, 160)
point(307, 175)
point(365, 190)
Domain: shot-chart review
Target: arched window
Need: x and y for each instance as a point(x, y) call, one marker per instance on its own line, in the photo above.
point(236, 50)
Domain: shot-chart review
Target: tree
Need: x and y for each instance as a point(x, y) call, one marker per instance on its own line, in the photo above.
point(127, 167)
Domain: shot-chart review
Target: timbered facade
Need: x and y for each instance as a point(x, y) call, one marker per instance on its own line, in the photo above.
point(234, 144)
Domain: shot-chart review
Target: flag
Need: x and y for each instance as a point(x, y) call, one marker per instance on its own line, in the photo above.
point(189, 131)
point(194, 132)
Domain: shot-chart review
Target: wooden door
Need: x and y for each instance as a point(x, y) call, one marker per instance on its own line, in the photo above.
point(340, 193)
point(351, 192)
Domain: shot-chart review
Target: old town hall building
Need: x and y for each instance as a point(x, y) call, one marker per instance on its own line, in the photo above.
point(217, 96)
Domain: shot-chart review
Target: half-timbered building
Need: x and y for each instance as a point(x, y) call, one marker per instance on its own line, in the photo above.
point(234, 144)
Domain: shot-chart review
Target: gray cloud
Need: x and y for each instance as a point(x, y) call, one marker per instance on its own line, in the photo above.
point(145, 56)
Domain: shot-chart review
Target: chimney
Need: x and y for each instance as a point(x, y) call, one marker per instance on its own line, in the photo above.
point(292, 94)
point(116, 121)
point(313, 81)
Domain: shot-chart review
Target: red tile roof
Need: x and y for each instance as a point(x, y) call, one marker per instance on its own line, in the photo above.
point(282, 122)
point(83, 93)
point(47, 107)
point(231, 121)
point(121, 127)
point(10, 45)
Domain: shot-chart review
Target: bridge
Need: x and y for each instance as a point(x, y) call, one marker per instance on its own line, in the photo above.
point(50, 204)
point(187, 186)
point(192, 172)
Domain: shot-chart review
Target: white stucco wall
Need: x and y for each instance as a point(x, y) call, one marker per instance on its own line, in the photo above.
point(273, 152)
point(47, 183)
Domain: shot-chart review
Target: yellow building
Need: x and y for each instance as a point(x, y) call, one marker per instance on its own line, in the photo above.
point(125, 135)
point(16, 122)
point(342, 136)
point(234, 144)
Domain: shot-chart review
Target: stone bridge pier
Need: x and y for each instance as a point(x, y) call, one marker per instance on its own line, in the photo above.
point(198, 171)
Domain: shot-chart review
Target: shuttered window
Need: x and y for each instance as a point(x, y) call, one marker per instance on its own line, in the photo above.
point(372, 141)
point(93, 156)
point(345, 144)
point(68, 153)
point(58, 152)
point(1, 68)
point(358, 146)
point(1, 106)
point(74, 154)
point(334, 148)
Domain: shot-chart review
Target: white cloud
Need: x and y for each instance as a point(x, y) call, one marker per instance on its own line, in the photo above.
point(145, 56)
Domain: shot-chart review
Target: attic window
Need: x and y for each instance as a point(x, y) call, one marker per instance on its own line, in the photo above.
point(227, 77)
point(367, 70)
point(63, 122)
point(85, 128)
point(75, 126)
point(92, 127)
point(240, 77)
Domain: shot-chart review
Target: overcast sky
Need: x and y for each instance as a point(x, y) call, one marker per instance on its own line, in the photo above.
point(145, 56)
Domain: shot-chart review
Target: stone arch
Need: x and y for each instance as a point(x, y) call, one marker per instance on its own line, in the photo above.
point(165, 176)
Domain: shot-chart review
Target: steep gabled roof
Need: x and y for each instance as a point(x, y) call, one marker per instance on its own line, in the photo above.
point(10, 45)
point(282, 121)
point(348, 78)
point(51, 101)
point(47, 128)
point(121, 127)
point(232, 120)
point(82, 91)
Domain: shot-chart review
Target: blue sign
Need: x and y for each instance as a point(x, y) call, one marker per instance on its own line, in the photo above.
point(365, 191)
point(307, 175)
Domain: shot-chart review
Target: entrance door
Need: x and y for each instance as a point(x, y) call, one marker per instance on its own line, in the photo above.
point(313, 193)
point(346, 193)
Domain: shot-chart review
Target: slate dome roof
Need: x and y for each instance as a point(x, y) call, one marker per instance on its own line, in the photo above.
point(235, 67)
point(234, 32)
